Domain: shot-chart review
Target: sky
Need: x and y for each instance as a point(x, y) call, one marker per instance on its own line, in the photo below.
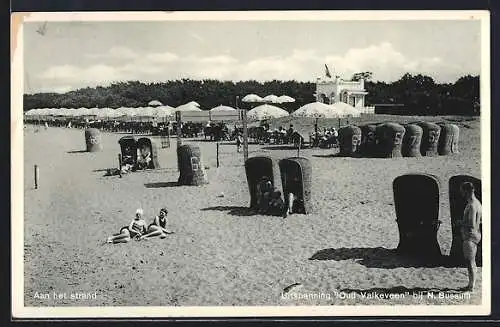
point(71, 55)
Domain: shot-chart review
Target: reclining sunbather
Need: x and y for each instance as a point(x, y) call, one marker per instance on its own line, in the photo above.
point(134, 230)
point(158, 227)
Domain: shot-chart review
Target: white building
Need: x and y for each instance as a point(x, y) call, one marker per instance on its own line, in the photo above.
point(331, 90)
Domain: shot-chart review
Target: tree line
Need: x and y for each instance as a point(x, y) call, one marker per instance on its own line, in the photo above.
point(411, 94)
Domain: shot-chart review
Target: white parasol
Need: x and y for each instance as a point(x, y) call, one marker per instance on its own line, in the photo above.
point(285, 99)
point(318, 110)
point(271, 98)
point(266, 111)
point(222, 108)
point(252, 98)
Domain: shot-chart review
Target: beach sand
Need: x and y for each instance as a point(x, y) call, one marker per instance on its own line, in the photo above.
point(220, 254)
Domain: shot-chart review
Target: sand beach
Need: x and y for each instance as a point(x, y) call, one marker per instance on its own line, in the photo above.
point(221, 254)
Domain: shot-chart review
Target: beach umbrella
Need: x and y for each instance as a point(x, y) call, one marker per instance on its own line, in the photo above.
point(252, 98)
point(129, 112)
point(81, 112)
point(164, 111)
point(318, 110)
point(93, 111)
point(266, 111)
point(146, 111)
point(347, 109)
point(191, 106)
point(62, 112)
point(155, 103)
point(271, 98)
point(108, 113)
point(285, 99)
point(222, 108)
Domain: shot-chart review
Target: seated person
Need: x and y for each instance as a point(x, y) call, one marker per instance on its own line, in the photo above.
point(134, 230)
point(264, 190)
point(128, 163)
point(158, 227)
point(276, 204)
point(144, 157)
point(293, 202)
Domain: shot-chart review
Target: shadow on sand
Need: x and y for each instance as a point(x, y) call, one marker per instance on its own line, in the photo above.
point(335, 155)
point(77, 151)
point(102, 170)
point(281, 147)
point(233, 210)
point(381, 258)
point(161, 184)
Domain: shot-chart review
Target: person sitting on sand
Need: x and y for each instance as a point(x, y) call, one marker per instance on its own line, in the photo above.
point(470, 230)
point(128, 163)
point(144, 157)
point(264, 190)
point(276, 204)
point(158, 227)
point(136, 228)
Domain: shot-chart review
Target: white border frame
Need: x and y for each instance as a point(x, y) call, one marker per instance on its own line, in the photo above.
point(17, 184)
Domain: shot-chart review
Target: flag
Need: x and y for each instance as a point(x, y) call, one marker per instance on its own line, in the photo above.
point(327, 71)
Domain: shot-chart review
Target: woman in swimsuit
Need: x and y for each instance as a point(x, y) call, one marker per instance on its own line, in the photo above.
point(134, 230)
point(158, 227)
point(470, 230)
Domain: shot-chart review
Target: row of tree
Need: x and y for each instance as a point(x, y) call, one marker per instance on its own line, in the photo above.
point(412, 94)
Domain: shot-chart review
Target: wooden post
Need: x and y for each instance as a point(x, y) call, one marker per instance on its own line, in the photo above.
point(339, 123)
point(217, 154)
point(179, 130)
point(298, 148)
point(120, 164)
point(37, 172)
point(168, 136)
point(316, 130)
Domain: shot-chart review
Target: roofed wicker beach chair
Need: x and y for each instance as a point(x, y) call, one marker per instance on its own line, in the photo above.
point(296, 178)
point(256, 169)
point(416, 199)
point(192, 171)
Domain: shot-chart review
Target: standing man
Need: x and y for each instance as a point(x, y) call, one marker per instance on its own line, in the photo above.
point(470, 230)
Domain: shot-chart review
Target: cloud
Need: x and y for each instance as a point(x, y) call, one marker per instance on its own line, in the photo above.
point(386, 62)
point(164, 57)
point(92, 75)
point(383, 60)
point(116, 53)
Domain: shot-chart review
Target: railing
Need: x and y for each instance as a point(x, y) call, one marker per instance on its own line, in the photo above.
point(368, 110)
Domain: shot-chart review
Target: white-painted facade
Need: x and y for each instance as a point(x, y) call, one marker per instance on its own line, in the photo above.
point(331, 90)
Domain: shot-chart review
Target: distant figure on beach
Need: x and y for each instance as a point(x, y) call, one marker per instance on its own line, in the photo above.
point(289, 133)
point(158, 227)
point(239, 141)
point(134, 230)
point(470, 230)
